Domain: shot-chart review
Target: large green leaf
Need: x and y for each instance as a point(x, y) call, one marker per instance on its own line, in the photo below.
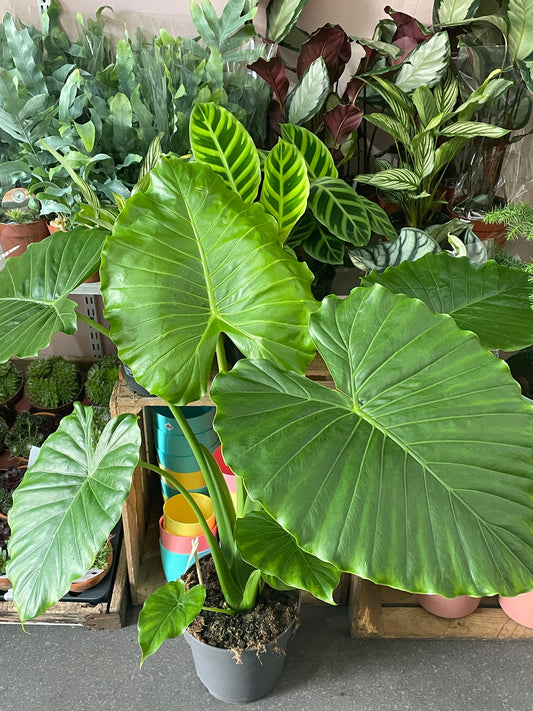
point(188, 260)
point(426, 64)
point(222, 142)
point(34, 289)
point(411, 244)
point(73, 492)
point(416, 473)
point(491, 300)
point(309, 94)
point(167, 613)
point(285, 186)
point(318, 159)
point(339, 208)
point(265, 545)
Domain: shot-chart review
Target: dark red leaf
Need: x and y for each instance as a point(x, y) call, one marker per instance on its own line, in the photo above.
point(353, 87)
point(332, 44)
point(274, 73)
point(407, 26)
point(342, 121)
point(406, 44)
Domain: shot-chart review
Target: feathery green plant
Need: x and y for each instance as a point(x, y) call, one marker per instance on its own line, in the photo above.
point(52, 382)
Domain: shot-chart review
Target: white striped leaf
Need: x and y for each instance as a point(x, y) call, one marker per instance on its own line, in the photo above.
point(309, 93)
point(411, 244)
point(471, 129)
point(425, 104)
point(401, 105)
point(446, 93)
point(285, 186)
point(219, 140)
point(339, 208)
point(318, 159)
point(426, 64)
point(393, 179)
point(390, 125)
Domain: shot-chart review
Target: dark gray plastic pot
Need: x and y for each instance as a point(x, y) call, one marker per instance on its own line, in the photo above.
point(239, 683)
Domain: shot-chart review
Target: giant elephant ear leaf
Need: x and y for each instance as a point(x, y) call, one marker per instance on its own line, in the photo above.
point(35, 286)
point(73, 492)
point(189, 260)
point(219, 140)
point(492, 300)
point(417, 472)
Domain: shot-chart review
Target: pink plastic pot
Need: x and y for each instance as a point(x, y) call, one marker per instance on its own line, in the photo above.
point(451, 608)
point(229, 476)
point(519, 608)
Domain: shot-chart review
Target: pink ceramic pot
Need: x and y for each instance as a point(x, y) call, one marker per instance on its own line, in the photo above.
point(519, 608)
point(448, 607)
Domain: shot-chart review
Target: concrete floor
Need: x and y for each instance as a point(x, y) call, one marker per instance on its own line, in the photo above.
point(60, 668)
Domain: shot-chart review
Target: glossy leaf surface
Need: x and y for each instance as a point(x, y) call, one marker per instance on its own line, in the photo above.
point(189, 260)
point(267, 546)
point(35, 286)
point(397, 476)
point(491, 300)
point(340, 209)
point(67, 505)
point(167, 613)
point(317, 158)
point(410, 245)
point(426, 64)
point(285, 186)
point(309, 93)
point(219, 140)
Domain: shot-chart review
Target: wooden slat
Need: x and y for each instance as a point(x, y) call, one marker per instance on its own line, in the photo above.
point(378, 611)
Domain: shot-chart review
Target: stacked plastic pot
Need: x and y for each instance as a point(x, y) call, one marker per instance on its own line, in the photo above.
point(180, 530)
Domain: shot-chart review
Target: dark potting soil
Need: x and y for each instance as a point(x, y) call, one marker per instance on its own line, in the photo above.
point(274, 612)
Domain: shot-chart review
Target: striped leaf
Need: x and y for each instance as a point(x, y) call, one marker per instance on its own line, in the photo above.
point(309, 93)
point(316, 155)
point(323, 246)
point(447, 150)
point(340, 209)
point(446, 93)
point(425, 104)
point(393, 179)
point(285, 186)
point(390, 125)
point(426, 64)
point(471, 129)
point(401, 105)
point(410, 245)
point(220, 141)
point(379, 220)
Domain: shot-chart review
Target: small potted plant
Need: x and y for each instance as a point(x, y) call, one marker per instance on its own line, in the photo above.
point(22, 225)
point(29, 430)
point(52, 384)
point(101, 379)
point(11, 382)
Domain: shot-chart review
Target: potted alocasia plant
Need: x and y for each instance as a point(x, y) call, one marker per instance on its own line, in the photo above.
point(396, 474)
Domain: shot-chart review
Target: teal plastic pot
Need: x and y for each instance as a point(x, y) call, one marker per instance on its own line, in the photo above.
point(178, 456)
point(176, 551)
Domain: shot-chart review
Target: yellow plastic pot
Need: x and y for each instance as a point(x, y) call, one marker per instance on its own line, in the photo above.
point(180, 519)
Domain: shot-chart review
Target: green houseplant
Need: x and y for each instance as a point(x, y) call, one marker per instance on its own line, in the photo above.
point(101, 378)
point(411, 423)
point(52, 383)
point(428, 129)
point(10, 382)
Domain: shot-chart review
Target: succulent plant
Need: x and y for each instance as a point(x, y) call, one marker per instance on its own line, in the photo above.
point(52, 382)
point(3, 561)
point(10, 380)
point(3, 432)
point(101, 378)
point(21, 215)
point(29, 429)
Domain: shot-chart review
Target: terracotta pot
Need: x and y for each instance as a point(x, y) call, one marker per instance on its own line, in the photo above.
point(519, 608)
point(485, 231)
point(451, 608)
point(18, 237)
point(91, 578)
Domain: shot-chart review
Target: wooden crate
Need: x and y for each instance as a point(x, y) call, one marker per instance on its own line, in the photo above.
point(100, 616)
point(143, 507)
point(378, 611)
